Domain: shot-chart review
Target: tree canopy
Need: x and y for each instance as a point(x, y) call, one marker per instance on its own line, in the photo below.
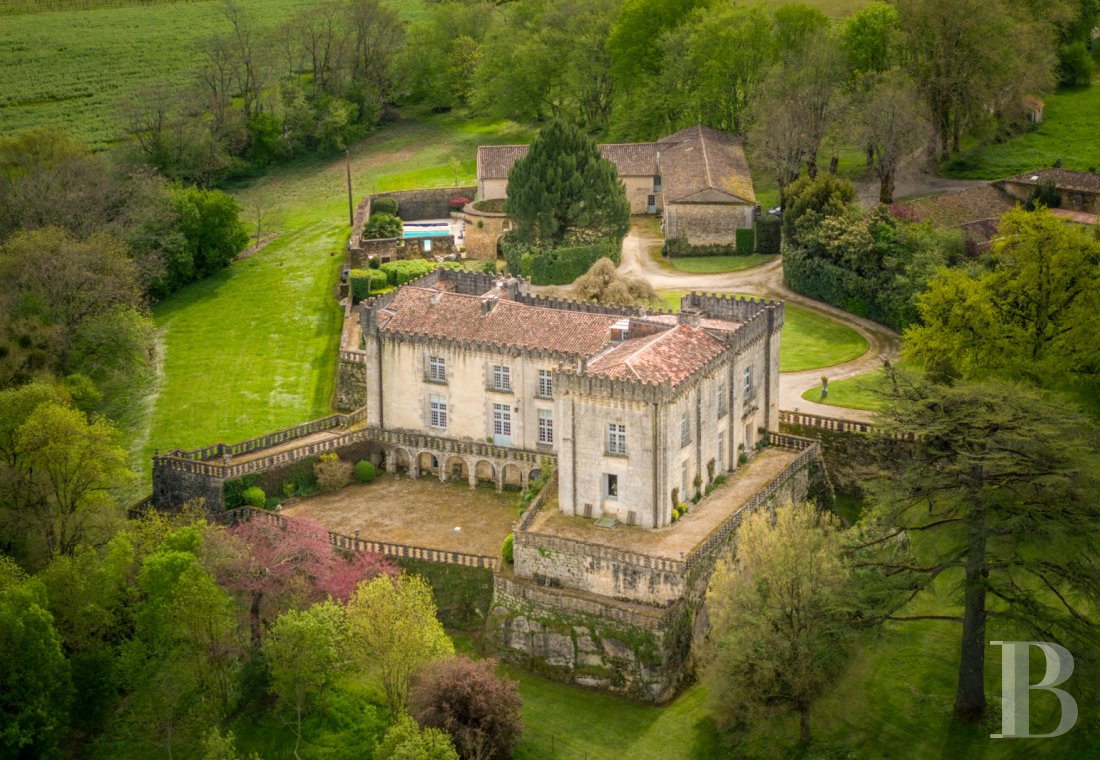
point(564, 191)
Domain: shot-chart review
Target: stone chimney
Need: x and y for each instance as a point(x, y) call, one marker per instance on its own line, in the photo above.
point(487, 303)
point(690, 317)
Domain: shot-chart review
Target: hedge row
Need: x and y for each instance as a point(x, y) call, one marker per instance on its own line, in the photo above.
point(364, 282)
point(827, 282)
point(745, 240)
point(556, 266)
point(384, 205)
point(769, 234)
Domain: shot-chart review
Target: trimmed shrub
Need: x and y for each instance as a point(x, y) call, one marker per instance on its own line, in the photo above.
point(680, 247)
point(233, 490)
point(400, 272)
point(555, 266)
point(272, 501)
point(746, 241)
point(364, 282)
point(365, 472)
point(374, 262)
point(254, 496)
point(769, 233)
point(332, 472)
point(508, 549)
point(383, 226)
point(384, 205)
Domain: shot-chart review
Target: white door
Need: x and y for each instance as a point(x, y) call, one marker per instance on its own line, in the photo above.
point(502, 424)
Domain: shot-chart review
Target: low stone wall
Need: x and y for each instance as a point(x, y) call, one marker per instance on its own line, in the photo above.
point(428, 203)
point(395, 249)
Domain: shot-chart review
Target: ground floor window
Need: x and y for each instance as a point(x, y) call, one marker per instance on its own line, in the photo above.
point(611, 486)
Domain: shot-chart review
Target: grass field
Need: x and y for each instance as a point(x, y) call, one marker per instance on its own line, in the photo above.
point(809, 340)
point(73, 68)
point(253, 348)
point(1068, 132)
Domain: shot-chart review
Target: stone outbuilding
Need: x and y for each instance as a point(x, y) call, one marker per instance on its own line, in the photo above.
point(697, 179)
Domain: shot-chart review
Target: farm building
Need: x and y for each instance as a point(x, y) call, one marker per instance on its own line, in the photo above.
point(697, 179)
point(1080, 191)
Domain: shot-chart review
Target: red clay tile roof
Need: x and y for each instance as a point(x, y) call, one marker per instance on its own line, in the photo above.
point(668, 356)
point(420, 311)
point(1063, 179)
point(707, 323)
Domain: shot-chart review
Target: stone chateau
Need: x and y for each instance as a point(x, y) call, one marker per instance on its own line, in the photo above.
point(628, 416)
point(640, 410)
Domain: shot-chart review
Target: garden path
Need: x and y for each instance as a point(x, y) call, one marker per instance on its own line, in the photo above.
point(767, 281)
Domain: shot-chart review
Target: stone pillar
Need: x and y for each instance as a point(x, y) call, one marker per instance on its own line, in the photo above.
point(442, 470)
point(499, 473)
point(471, 471)
point(391, 461)
point(524, 478)
point(414, 465)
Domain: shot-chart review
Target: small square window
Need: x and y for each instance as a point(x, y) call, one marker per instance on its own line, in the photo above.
point(611, 486)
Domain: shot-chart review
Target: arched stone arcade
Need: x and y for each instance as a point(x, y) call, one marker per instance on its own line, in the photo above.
point(503, 472)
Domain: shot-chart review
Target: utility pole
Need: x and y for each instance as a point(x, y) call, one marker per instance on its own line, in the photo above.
point(351, 204)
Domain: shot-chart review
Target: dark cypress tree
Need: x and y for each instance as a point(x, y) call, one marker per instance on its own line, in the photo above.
point(565, 192)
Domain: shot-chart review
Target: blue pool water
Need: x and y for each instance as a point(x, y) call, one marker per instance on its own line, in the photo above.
point(438, 232)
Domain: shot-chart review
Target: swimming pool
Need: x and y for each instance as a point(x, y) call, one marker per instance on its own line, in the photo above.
point(435, 232)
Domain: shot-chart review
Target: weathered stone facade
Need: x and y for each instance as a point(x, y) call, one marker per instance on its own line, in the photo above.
point(351, 381)
point(393, 249)
point(706, 223)
point(483, 231)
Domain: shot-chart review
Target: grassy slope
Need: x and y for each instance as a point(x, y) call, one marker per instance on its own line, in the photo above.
point(1069, 133)
point(852, 393)
point(253, 349)
point(809, 340)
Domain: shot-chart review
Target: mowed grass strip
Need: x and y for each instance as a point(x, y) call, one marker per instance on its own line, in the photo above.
point(851, 393)
point(809, 340)
point(718, 264)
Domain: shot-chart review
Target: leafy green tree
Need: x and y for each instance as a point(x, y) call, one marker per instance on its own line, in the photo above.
point(404, 740)
point(871, 38)
point(809, 201)
point(778, 626)
point(59, 472)
point(996, 495)
point(383, 226)
point(797, 27)
point(393, 632)
point(715, 65)
point(78, 299)
point(1029, 315)
point(210, 222)
point(305, 652)
point(563, 191)
point(35, 686)
point(891, 126)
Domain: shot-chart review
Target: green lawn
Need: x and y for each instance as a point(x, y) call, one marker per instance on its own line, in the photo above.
point(809, 340)
point(852, 393)
point(716, 264)
point(1068, 132)
point(253, 349)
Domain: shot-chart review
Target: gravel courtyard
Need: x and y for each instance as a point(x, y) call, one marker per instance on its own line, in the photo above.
point(421, 512)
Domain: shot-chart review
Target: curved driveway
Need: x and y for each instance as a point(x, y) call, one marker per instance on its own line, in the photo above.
point(766, 280)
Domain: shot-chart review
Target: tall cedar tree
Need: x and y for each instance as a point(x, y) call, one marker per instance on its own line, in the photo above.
point(998, 492)
point(564, 191)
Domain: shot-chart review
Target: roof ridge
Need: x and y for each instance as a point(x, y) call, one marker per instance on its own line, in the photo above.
point(706, 159)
